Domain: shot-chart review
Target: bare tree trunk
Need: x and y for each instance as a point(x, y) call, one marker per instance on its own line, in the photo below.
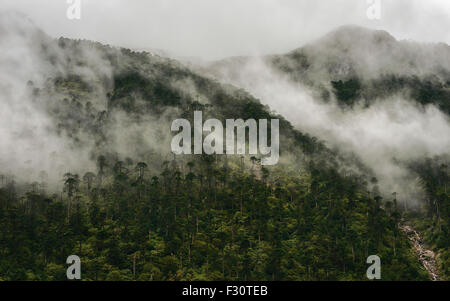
point(134, 266)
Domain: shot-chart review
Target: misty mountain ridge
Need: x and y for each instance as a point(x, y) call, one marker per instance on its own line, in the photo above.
point(86, 166)
point(352, 51)
point(89, 99)
point(355, 63)
point(93, 97)
point(361, 91)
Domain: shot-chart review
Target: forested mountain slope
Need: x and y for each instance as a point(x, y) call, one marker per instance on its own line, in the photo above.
point(93, 175)
point(365, 90)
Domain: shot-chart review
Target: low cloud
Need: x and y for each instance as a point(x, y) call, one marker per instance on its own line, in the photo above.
point(385, 136)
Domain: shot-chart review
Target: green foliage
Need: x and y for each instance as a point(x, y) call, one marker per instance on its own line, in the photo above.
point(347, 92)
point(435, 223)
point(191, 223)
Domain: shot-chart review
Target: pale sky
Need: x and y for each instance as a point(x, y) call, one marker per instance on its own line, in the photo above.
point(221, 28)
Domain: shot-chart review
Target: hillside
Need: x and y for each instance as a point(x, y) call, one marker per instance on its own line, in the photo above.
point(355, 64)
point(364, 92)
point(93, 175)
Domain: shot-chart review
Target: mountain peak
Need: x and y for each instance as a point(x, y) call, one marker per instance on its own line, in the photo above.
point(357, 34)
